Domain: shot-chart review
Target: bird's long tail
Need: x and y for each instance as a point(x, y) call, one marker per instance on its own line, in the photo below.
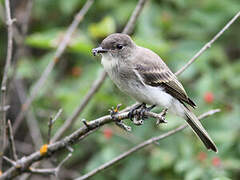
point(197, 127)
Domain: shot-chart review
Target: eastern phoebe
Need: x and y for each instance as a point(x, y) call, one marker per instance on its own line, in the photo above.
point(142, 74)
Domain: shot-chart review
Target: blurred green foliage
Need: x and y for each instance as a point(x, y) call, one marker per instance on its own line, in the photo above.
point(174, 29)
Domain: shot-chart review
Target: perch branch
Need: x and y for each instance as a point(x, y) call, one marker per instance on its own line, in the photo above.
point(141, 146)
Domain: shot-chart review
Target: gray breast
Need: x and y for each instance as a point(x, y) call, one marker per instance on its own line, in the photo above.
point(126, 79)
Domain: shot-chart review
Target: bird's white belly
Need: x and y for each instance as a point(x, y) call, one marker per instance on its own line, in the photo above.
point(152, 95)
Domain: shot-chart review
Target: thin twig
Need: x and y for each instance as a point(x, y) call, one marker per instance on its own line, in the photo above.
point(99, 81)
point(11, 141)
point(9, 160)
point(50, 171)
point(9, 23)
point(62, 46)
point(50, 123)
point(208, 45)
point(142, 145)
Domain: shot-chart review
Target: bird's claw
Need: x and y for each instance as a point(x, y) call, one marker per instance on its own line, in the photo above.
point(137, 115)
point(137, 121)
point(162, 118)
point(113, 113)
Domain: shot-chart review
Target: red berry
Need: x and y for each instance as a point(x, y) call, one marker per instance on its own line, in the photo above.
point(108, 133)
point(202, 156)
point(216, 161)
point(208, 97)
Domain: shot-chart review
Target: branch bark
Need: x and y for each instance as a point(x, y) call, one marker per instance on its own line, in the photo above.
point(9, 22)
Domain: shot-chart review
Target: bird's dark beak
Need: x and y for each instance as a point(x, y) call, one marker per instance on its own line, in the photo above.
point(99, 49)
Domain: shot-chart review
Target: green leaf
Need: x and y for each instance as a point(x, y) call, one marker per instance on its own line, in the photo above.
point(52, 38)
point(103, 28)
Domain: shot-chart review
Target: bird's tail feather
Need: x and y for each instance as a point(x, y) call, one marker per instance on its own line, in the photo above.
point(197, 127)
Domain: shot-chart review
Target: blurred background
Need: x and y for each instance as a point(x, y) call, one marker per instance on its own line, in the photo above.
point(175, 30)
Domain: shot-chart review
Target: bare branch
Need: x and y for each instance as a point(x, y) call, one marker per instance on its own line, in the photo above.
point(11, 141)
point(142, 145)
point(62, 46)
point(9, 22)
point(99, 81)
point(50, 171)
point(9, 161)
point(208, 45)
point(50, 123)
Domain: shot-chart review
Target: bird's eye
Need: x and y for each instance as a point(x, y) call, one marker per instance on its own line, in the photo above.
point(119, 46)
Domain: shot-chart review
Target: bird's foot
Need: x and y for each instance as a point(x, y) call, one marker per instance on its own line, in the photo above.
point(134, 114)
point(133, 111)
point(113, 113)
point(137, 115)
point(162, 117)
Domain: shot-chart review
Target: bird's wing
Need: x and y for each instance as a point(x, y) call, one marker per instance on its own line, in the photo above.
point(154, 72)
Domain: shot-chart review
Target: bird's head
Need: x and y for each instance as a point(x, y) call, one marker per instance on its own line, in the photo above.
point(117, 45)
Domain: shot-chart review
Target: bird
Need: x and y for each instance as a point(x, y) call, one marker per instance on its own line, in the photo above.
point(143, 75)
